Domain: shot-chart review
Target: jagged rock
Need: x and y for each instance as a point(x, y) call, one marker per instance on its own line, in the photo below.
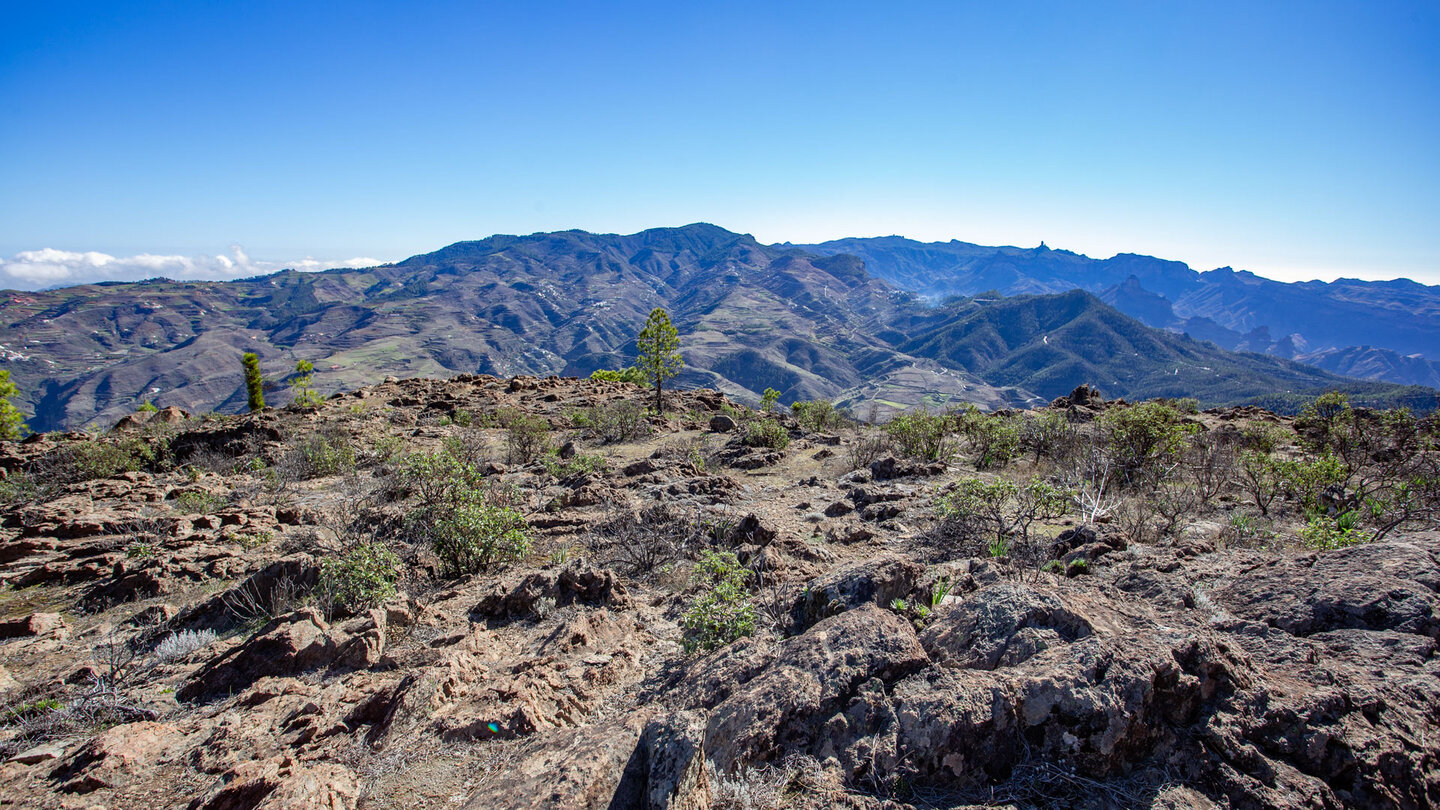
point(289, 645)
point(1378, 586)
point(1001, 626)
point(750, 531)
point(36, 624)
point(117, 755)
point(878, 580)
point(578, 582)
point(283, 785)
point(838, 509)
point(791, 704)
point(579, 771)
point(891, 467)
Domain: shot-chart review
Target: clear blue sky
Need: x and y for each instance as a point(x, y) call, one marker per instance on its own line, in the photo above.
point(1297, 140)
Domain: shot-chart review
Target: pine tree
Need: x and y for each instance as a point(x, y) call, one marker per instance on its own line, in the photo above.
point(12, 422)
point(660, 359)
point(254, 383)
point(305, 396)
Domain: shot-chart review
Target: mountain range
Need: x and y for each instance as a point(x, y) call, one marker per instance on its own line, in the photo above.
point(1380, 330)
point(869, 326)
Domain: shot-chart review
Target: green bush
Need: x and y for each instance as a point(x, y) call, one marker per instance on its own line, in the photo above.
point(1325, 534)
point(1145, 436)
point(147, 407)
point(17, 487)
point(579, 464)
point(439, 478)
point(818, 416)
point(918, 435)
point(723, 611)
point(1044, 434)
point(362, 578)
point(994, 440)
point(1002, 507)
point(305, 395)
point(768, 400)
point(611, 422)
point(325, 454)
point(472, 536)
point(767, 433)
point(198, 503)
point(95, 458)
point(630, 375)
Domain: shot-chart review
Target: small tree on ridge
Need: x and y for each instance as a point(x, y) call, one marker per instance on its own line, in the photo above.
point(660, 359)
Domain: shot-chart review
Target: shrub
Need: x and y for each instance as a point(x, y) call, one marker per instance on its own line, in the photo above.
point(178, 646)
point(18, 487)
point(918, 435)
point(1264, 437)
point(527, 437)
point(1324, 534)
point(325, 454)
point(629, 374)
point(439, 478)
point(994, 439)
point(198, 503)
point(768, 400)
point(1044, 434)
point(723, 611)
point(579, 464)
point(640, 543)
point(94, 458)
point(767, 433)
point(147, 407)
point(473, 535)
point(305, 395)
point(1002, 506)
point(1144, 437)
point(818, 416)
point(362, 578)
point(612, 422)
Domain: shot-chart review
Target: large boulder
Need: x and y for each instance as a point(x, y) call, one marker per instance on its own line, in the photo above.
point(879, 580)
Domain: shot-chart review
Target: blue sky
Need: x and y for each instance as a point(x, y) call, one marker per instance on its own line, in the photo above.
point(1297, 140)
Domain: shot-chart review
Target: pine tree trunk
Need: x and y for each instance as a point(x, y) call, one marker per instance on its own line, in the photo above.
point(659, 397)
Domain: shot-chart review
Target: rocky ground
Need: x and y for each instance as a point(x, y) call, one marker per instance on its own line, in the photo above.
point(162, 646)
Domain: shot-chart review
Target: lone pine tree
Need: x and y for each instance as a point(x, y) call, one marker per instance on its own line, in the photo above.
point(660, 359)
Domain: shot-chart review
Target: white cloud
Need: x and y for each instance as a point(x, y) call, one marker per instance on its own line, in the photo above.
point(48, 267)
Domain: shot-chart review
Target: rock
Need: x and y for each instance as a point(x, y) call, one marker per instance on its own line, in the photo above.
point(750, 531)
point(891, 467)
point(40, 753)
point(51, 625)
point(567, 450)
point(641, 467)
point(1000, 626)
point(283, 785)
point(599, 767)
point(790, 704)
point(118, 754)
point(289, 645)
point(720, 423)
point(7, 681)
point(153, 615)
point(838, 509)
point(577, 582)
point(876, 581)
point(1377, 586)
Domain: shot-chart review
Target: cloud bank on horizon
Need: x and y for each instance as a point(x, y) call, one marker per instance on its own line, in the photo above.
point(48, 267)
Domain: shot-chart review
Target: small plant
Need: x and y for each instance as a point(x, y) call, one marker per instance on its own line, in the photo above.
point(611, 422)
point(305, 395)
point(899, 605)
point(464, 418)
point(472, 536)
point(362, 578)
point(179, 646)
point(543, 607)
point(17, 487)
point(818, 416)
point(919, 435)
point(999, 547)
point(768, 400)
point(629, 374)
point(252, 540)
point(527, 437)
point(724, 610)
point(146, 407)
point(140, 551)
point(1054, 567)
point(994, 440)
point(579, 464)
point(939, 591)
point(767, 433)
point(1077, 567)
point(254, 382)
point(326, 454)
point(198, 503)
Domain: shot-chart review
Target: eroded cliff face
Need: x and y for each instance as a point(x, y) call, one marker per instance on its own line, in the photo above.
point(1183, 672)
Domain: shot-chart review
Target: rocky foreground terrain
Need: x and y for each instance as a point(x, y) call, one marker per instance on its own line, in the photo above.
point(179, 626)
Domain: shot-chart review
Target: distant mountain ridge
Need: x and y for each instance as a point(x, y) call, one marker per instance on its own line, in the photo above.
point(1234, 309)
point(750, 316)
